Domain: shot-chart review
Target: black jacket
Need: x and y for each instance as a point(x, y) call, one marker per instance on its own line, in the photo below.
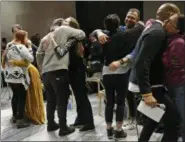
point(120, 43)
point(148, 68)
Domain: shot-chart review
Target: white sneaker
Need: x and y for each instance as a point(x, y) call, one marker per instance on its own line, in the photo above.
point(129, 126)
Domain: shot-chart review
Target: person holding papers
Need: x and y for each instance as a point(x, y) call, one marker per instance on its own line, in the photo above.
point(148, 70)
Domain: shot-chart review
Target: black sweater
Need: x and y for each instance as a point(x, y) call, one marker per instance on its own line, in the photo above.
point(148, 67)
point(120, 43)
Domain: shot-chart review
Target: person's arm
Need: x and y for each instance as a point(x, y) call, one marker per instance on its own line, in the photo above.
point(5, 53)
point(97, 33)
point(3, 59)
point(100, 35)
point(71, 32)
point(130, 57)
point(128, 36)
point(127, 60)
point(132, 35)
point(25, 53)
point(62, 51)
point(73, 36)
point(23, 63)
point(151, 44)
point(29, 44)
point(40, 54)
point(20, 63)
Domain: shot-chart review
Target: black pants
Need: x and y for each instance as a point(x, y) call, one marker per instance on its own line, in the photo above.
point(132, 104)
point(84, 109)
point(56, 84)
point(170, 119)
point(115, 83)
point(18, 100)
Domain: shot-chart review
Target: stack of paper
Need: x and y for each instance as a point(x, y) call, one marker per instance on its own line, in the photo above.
point(153, 113)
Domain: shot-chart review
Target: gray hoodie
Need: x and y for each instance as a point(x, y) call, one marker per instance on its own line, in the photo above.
point(46, 57)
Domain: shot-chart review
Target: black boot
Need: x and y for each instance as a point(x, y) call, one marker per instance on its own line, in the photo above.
point(87, 127)
point(77, 125)
point(13, 119)
point(52, 126)
point(110, 133)
point(21, 123)
point(66, 131)
point(120, 134)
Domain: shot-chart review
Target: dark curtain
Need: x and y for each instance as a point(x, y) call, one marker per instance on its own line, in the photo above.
point(90, 14)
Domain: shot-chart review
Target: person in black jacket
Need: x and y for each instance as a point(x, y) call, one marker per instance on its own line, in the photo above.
point(147, 72)
point(131, 19)
point(117, 46)
point(77, 77)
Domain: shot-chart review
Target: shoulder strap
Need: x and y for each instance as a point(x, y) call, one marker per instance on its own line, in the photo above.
point(53, 41)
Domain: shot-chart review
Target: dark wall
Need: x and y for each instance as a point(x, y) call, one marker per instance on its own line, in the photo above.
point(90, 14)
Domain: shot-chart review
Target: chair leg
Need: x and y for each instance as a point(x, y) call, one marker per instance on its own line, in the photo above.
point(100, 104)
point(100, 100)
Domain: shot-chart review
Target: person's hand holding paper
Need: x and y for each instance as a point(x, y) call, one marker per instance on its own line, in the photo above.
point(154, 113)
point(150, 100)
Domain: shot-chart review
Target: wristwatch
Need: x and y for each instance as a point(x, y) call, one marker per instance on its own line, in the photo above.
point(121, 61)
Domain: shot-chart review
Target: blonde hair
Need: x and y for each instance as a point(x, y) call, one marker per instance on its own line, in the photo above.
point(74, 23)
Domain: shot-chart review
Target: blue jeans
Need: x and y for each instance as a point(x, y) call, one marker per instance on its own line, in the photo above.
point(178, 93)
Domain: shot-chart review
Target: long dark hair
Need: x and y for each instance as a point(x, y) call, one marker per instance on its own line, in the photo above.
point(112, 22)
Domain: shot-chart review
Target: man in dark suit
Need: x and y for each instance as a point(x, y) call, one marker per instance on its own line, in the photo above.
point(147, 72)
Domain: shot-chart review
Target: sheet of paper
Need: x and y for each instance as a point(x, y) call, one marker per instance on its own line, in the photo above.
point(133, 87)
point(153, 113)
